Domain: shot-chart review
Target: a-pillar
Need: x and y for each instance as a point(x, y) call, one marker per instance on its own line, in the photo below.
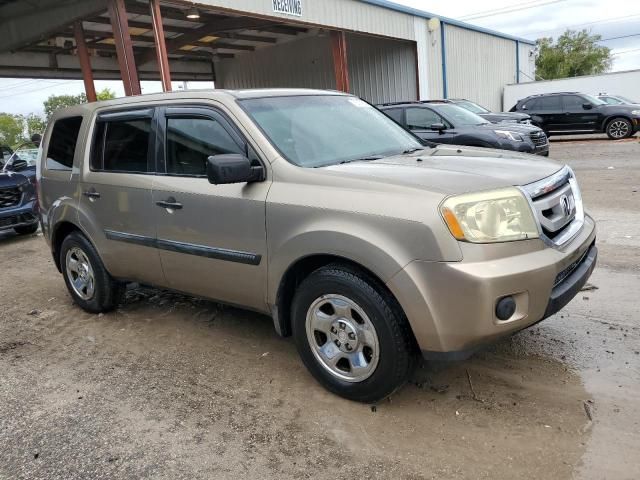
point(340, 65)
point(161, 47)
point(124, 47)
point(85, 62)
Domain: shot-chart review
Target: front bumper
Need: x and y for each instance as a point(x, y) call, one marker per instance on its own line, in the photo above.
point(451, 305)
point(23, 215)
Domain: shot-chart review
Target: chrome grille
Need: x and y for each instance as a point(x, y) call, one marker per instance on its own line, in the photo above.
point(557, 204)
point(10, 197)
point(539, 139)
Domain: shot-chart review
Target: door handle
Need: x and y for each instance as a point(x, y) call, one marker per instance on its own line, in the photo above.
point(91, 194)
point(170, 203)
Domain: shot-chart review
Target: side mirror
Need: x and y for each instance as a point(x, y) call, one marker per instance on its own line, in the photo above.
point(587, 106)
point(438, 127)
point(232, 168)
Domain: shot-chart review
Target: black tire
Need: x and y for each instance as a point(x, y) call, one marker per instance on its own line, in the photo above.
point(26, 229)
point(619, 128)
point(107, 292)
point(397, 349)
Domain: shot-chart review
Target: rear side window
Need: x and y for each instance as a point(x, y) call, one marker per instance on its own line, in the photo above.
point(395, 113)
point(190, 141)
point(550, 103)
point(62, 144)
point(122, 146)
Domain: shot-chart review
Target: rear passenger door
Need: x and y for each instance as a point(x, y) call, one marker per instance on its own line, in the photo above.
point(116, 208)
point(420, 119)
point(548, 113)
point(211, 238)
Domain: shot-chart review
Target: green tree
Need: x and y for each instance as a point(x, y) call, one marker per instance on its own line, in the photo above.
point(573, 54)
point(54, 102)
point(11, 129)
point(105, 94)
point(35, 124)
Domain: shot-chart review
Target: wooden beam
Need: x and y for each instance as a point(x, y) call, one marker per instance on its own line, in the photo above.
point(230, 24)
point(139, 24)
point(228, 46)
point(340, 65)
point(161, 48)
point(124, 47)
point(85, 63)
point(103, 35)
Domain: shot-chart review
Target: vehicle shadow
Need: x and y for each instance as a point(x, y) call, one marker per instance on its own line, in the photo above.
point(9, 237)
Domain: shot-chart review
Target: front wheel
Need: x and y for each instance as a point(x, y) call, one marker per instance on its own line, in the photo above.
point(88, 282)
point(619, 128)
point(351, 334)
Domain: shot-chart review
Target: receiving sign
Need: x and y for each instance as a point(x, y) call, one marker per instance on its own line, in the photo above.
point(288, 7)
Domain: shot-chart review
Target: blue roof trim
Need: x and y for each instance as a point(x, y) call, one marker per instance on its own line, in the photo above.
point(448, 21)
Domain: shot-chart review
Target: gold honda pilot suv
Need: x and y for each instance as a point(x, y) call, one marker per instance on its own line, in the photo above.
point(315, 208)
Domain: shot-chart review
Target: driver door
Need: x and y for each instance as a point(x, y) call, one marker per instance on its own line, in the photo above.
point(211, 238)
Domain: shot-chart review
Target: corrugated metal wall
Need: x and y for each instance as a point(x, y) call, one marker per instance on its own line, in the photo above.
point(434, 65)
point(527, 63)
point(302, 63)
point(478, 66)
point(344, 14)
point(382, 70)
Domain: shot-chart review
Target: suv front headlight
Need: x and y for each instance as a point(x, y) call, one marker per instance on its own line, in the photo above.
point(486, 217)
point(635, 112)
point(513, 136)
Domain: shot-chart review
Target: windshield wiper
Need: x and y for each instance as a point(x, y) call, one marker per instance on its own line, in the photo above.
point(363, 159)
point(411, 150)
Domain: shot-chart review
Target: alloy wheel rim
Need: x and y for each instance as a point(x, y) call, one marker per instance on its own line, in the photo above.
point(619, 129)
point(80, 273)
point(342, 338)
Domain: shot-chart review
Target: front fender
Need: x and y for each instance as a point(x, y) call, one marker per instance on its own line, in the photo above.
point(382, 245)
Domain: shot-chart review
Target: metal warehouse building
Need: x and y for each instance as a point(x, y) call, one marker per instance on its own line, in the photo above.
point(376, 49)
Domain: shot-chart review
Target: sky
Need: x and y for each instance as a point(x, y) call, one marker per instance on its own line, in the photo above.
point(524, 18)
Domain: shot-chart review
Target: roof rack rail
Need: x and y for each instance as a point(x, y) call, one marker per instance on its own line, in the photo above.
point(388, 104)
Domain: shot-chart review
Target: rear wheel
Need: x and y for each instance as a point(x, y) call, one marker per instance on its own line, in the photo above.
point(88, 282)
point(618, 128)
point(26, 229)
point(351, 334)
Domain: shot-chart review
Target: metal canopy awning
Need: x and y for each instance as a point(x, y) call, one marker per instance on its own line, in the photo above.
point(40, 38)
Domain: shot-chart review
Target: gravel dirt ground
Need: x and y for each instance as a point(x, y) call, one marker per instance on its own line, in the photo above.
point(169, 387)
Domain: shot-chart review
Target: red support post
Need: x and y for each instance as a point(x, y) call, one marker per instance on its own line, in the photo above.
point(85, 62)
point(161, 47)
point(124, 47)
point(340, 65)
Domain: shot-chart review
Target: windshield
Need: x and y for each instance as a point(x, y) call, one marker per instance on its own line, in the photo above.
point(594, 100)
point(625, 99)
point(459, 116)
point(472, 107)
point(321, 130)
point(30, 155)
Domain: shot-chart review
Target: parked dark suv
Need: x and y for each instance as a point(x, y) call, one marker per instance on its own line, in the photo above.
point(576, 113)
point(449, 123)
point(18, 202)
point(493, 117)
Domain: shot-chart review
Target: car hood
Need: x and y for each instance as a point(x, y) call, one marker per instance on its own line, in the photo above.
point(497, 117)
point(523, 128)
point(12, 179)
point(451, 169)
